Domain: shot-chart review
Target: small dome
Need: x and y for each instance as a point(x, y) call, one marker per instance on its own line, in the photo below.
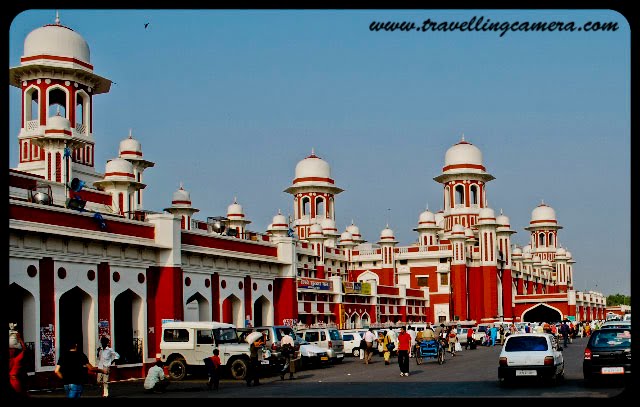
point(527, 255)
point(346, 237)
point(457, 229)
point(315, 230)
point(517, 251)
point(118, 168)
point(278, 221)
point(439, 217)
point(545, 262)
point(313, 167)
point(502, 220)
point(469, 233)
point(56, 40)
point(543, 212)
point(569, 256)
point(235, 209)
point(181, 196)
point(526, 249)
point(58, 122)
point(386, 233)
point(427, 217)
point(486, 213)
point(354, 230)
point(561, 252)
point(328, 225)
point(536, 258)
point(463, 153)
point(130, 147)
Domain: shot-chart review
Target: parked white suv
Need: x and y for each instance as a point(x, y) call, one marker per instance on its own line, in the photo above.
point(325, 338)
point(185, 345)
point(351, 339)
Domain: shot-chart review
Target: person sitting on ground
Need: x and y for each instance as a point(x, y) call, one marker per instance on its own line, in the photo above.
point(156, 382)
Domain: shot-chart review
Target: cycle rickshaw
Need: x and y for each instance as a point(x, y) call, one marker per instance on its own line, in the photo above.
point(430, 349)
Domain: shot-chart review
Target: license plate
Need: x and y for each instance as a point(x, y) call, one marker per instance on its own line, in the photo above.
point(340, 356)
point(264, 362)
point(324, 358)
point(613, 370)
point(525, 372)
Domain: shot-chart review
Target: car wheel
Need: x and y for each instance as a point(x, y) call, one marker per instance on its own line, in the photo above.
point(177, 369)
point(239, 369)
point(356, 352)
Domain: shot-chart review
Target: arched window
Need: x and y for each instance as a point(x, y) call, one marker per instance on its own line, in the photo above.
point(306, 206)
point(474, 194)
point(459, 194)
point(551, 239)
point(320, 211)
point(446, 197)
point(541, 240)
point(57, 99)
point(25, 151)
point(31, 111)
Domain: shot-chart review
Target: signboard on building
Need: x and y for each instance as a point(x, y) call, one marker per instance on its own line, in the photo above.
point(356, 288)
point(314, 283)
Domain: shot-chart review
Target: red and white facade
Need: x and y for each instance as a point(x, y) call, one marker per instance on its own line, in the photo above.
point(73, 276)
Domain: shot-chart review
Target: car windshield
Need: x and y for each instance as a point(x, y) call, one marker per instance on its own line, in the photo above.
point(611, 338)
point(526, 344)
point(226, 335)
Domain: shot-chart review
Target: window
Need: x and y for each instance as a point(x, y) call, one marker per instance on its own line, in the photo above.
point(459, 194)
point(311, 336)
point(347, 337)
point(320, 212)
point(403, 261)
point(474, 194)
point(334, 335)
point(204, 337)
point(444, 279)
point(541, 239)
point(225, 335)
point(423, 281)
point(176, 335)
point(323, 336)
point(526, 344)
point(305, 205)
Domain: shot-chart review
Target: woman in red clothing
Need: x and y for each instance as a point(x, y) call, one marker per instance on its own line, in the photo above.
point(17, 374)
point(404, 344)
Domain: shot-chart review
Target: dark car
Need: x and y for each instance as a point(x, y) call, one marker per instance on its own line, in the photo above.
point(607, 355)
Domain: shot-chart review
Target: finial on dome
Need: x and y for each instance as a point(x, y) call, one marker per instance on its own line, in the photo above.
point(352, 222)
point(181, 186)
point(279, 212)
point(130, 135)
point(235, 200)
point(312, 151)
point(427, 206)
point(462, 137)
point(58, 110)
point(500, 211)
point(542, 202)
point(57, 17)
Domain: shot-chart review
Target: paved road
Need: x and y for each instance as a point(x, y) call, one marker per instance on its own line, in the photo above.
point(471, 373)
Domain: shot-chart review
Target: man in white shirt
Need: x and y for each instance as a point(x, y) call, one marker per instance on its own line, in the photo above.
point(369, 338)
point(155, 381)
point(106, 357)
point(288, 351)
point(412, 334)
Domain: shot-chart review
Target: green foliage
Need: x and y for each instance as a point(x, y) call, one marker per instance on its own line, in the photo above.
point(618, 299)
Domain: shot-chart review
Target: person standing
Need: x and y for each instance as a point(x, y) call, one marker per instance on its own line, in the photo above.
point(470, 339)
point(494, 335)
point(288, 351)
point(501, 332)
point(255, 350)
point(106, 357)
point(73, 368)
point(156, 382)
point(369, 338)
point(452, 338)
point(385, 346)
point(411, 333)
point(404, 344)
point(17, 374)
point(564, 331)
point(214, 370)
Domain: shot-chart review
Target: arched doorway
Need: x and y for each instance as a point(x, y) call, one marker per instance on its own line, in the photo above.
point(128, 330)
point(542, 313)
point(22, 312)
point(76, 309)
point(262, 312)
point(232, 311)
point(197, 308)
point(355, 321)
point(365, 321)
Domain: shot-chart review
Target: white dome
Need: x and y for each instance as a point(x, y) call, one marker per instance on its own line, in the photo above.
point(469, 233)
point(328, 225)
point(313, 167)
point(346, 237)
point(545, 262)
point(427, 217)
point(315, 230)
point(463, 153)
point(502, 220)
point(439, 219)
point(353, 229)
point(527, 255)
point(279, 220)
point(543, 212)
point(56, 40)
point(487, 213)
point(517, 251)
point(386, 233)
point(234, 209)
point(181, 197)
point(58, 122)
point(536, 258)
point(457, 229)
point(526, 249)
point(568, 254)
point(130, 146)
point(118, 168)
point(561, 252)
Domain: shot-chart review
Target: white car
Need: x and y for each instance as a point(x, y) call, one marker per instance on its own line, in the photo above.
point(351, 341)
point(312, 355)
point(531, 356)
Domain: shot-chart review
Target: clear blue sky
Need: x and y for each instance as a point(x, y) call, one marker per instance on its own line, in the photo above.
point(229, 101)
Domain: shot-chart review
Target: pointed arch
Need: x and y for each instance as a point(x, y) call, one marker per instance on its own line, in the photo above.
point(128, 326)
point(75, 321)
point(232, 311)
point(197, 308)
point(541, 312)
point(262, 312)
point(369, 275)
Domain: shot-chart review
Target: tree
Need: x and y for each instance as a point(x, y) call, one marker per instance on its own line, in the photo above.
point(618, 299)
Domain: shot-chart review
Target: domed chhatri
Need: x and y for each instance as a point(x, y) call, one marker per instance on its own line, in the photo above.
point(463, 158)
